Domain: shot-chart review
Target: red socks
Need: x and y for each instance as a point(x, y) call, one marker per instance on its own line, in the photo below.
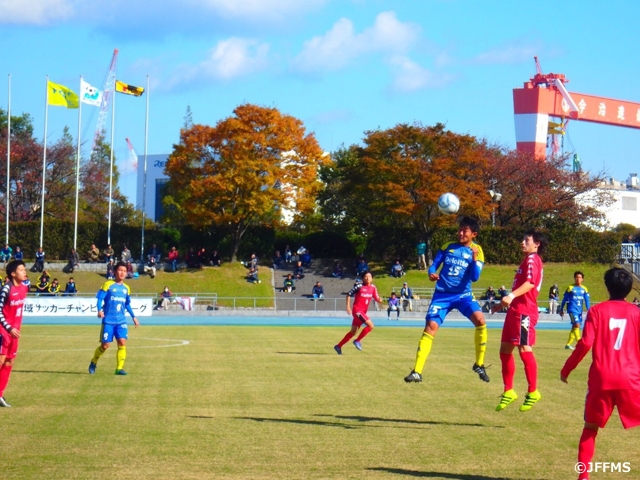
point(530, 370)
point(5, 372)
point(364, 332)
point(508, 370)
point(346, 338)
point(586, 449)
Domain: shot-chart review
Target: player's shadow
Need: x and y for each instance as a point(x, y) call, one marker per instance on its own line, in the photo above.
point(50, 371)
point(316, 423)
point(451, 476)
point(361, 419)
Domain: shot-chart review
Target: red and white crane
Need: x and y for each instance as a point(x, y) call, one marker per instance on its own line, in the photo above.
point(544, 96)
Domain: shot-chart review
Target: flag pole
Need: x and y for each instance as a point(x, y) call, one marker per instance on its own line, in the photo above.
point(44, 161)
point(113, 122)
point(75, 223)
point(144, 181)
point(8, 163)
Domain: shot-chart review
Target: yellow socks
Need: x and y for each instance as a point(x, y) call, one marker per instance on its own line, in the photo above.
point(424, 348)
point(574, 334)
point(577, 334)
point(97, 354)
point(120, 356)
point(481, 343)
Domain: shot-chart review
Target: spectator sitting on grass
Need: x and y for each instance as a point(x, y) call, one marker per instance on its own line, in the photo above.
point(150, 267)
point(19, 255)
point(305, 258)
point(362, 267)
point(318, 291)
point(216, 261)
point(44, 276)
point(70, 289)
point(129, 269)
point(252, 276)
point(397, 270)
point(289, 284)
point(173, 258)
point(298, 271)
point(42, 287)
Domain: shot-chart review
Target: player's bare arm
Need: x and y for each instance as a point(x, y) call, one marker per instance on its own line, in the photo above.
point(521, 290)
point(348, 305)
point(136, 323)
point(434, 277)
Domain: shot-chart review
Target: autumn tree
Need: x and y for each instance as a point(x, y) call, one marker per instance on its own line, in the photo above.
point(541, 193)
point(397, 177)
point(251, 168)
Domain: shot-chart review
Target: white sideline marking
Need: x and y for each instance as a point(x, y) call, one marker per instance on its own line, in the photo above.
point(181, 344)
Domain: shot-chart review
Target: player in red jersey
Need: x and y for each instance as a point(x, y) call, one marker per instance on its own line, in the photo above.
point(612, 329)
point(362, 293)
point(12, 298)
point(519, 328)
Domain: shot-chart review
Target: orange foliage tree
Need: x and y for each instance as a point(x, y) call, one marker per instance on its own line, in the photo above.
point(397, 177)
point(256, 166)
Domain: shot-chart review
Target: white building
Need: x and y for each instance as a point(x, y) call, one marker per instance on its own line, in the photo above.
point(625, 196)
point(156, 182)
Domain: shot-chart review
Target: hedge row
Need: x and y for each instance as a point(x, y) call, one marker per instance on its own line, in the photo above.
point(500, 245)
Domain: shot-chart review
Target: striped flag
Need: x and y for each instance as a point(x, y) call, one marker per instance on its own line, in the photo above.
point(128, 89)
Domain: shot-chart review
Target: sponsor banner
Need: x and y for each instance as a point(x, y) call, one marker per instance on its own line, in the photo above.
point(67, 306)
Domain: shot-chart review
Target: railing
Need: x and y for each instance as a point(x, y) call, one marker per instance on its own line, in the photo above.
point(630, 254)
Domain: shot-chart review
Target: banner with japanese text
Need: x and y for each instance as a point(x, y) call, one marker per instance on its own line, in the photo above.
point(78, 307)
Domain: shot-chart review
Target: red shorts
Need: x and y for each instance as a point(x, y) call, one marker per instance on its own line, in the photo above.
point(598, 407)
point(359, 319)
point(8, 345)
point(519, 329)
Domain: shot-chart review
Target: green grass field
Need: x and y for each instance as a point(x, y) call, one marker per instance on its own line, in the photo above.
point(278, 403)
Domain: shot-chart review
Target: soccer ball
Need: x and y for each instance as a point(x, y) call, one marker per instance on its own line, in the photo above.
point(448, 203)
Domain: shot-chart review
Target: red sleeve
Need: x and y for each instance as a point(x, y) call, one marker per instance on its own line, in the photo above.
point(583, 346)
point(376, 296)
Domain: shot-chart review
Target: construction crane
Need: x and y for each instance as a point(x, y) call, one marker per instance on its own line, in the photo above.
point(545, 96)
point(109, 87)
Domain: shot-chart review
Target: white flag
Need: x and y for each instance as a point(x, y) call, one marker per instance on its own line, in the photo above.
point(90, 95)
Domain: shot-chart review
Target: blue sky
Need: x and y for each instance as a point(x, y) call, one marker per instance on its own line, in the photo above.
point(342, 66)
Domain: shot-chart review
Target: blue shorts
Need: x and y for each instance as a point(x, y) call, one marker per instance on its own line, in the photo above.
point(575, 317)
point(109, 330)
point(442, 303)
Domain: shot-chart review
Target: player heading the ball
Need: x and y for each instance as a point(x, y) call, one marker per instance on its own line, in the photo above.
point(461, 263)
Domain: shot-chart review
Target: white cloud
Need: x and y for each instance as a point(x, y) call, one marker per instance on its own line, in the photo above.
point(229, 59)
point(340, 45)
point(410, 77)
point(258, 9)
point(514, 53)
point(35, 12)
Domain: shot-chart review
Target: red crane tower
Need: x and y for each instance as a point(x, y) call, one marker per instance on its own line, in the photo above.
point(545, 95)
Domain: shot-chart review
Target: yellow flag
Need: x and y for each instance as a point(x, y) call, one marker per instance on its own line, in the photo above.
point(128, 89)
point(62, 96)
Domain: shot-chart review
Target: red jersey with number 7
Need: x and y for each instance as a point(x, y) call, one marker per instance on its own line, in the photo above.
point(612, 331)
point(11, 305)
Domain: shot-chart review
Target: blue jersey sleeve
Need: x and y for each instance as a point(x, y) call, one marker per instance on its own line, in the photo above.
point(587, 298)
point(438, 259)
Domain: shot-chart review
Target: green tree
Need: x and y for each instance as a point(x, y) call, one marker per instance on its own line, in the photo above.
point(251, 168)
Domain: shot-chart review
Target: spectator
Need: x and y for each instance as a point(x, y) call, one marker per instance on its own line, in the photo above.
point(6, 253)
point(406, 295)
point(109, 254)
point(252, 276)
point(277, 260)
point(337, 271)
point(130, 273)
point(305, 258)
point(397, 271)
point(362, 267)
point(155, 253)
point(287, 254)
point(40, 259)
point(318, 291)
point(173, 258)
point(253, 263)
point(288, 284)
point(636, 302)
point(298, 271)
point(202, 257)
point(393, 306)
point(216, 261)
point(93, 255)
point(74, 260)
point(19, 255)
point(70, 289)
point(42, 287)
point(44, 276)
point(54, 287)
point(165, 299)
point(111, 270)
point(192, 258)
point(125, 256)
point(490, 297)
point(300, 251)
point(150, 267)
point(502, 292)
point(421, 250)
point(554, 296)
